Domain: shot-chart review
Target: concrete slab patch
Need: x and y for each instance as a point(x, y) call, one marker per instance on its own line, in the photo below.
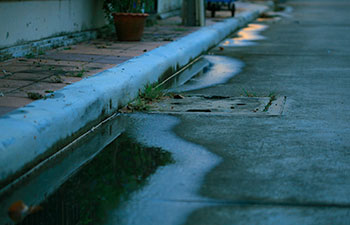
point(220, 105)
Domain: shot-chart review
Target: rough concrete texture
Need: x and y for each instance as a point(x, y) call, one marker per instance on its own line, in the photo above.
point(294, 168)
point(46, 125)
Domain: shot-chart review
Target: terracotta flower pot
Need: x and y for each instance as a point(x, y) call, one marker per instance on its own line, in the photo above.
point(129, 26)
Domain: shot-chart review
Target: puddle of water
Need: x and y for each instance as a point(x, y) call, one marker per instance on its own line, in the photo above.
point(113, 181)
point(210, 71)
point(99, 186)
point(196, 69)
point(172, 192)
point(246, 36)
point(85, 198)
point(44, 180)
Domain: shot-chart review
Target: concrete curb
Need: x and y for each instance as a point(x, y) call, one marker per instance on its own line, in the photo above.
point(32, 133)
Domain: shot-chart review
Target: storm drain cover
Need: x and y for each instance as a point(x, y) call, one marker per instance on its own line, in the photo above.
point(220, 105)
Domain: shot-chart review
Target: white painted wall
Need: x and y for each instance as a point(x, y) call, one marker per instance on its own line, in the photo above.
point(29, 20)
point(168, 5)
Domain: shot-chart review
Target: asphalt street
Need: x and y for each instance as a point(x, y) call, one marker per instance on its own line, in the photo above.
point(291, 168)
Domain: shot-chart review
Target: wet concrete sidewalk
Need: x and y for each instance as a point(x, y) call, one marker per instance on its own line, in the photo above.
point(23, 80)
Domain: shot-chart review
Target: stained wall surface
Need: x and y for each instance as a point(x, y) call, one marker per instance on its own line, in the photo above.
point(23, 21)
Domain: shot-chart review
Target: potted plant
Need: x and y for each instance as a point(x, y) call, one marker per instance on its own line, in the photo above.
point(129, 17)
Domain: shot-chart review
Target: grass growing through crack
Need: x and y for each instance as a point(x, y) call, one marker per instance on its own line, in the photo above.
point(249, 93)
point(37, 95)
point(79, 73)
point(29, 56)
point(272, 97)
point(145, 98)
point(56, 79)
point(34, 95)
point(179, 29)
point(151, 92)
point(252, 94)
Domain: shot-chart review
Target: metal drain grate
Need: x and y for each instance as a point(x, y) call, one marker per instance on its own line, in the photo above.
point(220, 105)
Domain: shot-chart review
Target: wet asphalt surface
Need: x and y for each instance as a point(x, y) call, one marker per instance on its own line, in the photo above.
point(293, 168)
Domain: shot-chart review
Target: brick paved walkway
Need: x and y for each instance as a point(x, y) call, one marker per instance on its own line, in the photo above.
point(23, 80)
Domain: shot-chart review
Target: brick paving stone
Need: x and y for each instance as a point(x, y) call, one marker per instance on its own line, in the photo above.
point(41, 87)
point(7, 109)
point(27, 76)
point(111, 59)
point(98, 66)
point(13, 84)
point(87, 49)
point(16, 66)
point(129, 53)
point(95, 68)
point(149, 46)
point(70, 80)
point(8, 102)
point(122, 45)
point(73, 57)
point(55, 62)
point(54, 79)
point(4, 91)
point(17, 93)
point(61, 79)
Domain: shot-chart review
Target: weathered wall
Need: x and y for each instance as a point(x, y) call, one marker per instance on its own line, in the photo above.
point(23, 21)
point(168, 5)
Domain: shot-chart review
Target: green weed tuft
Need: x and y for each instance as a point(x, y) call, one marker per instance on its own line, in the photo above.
point(272, 97)
point(151, 92)
point(143, 102)
point(249, 93)
point(34, 95)
point(29, 56)
point(80, 73)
